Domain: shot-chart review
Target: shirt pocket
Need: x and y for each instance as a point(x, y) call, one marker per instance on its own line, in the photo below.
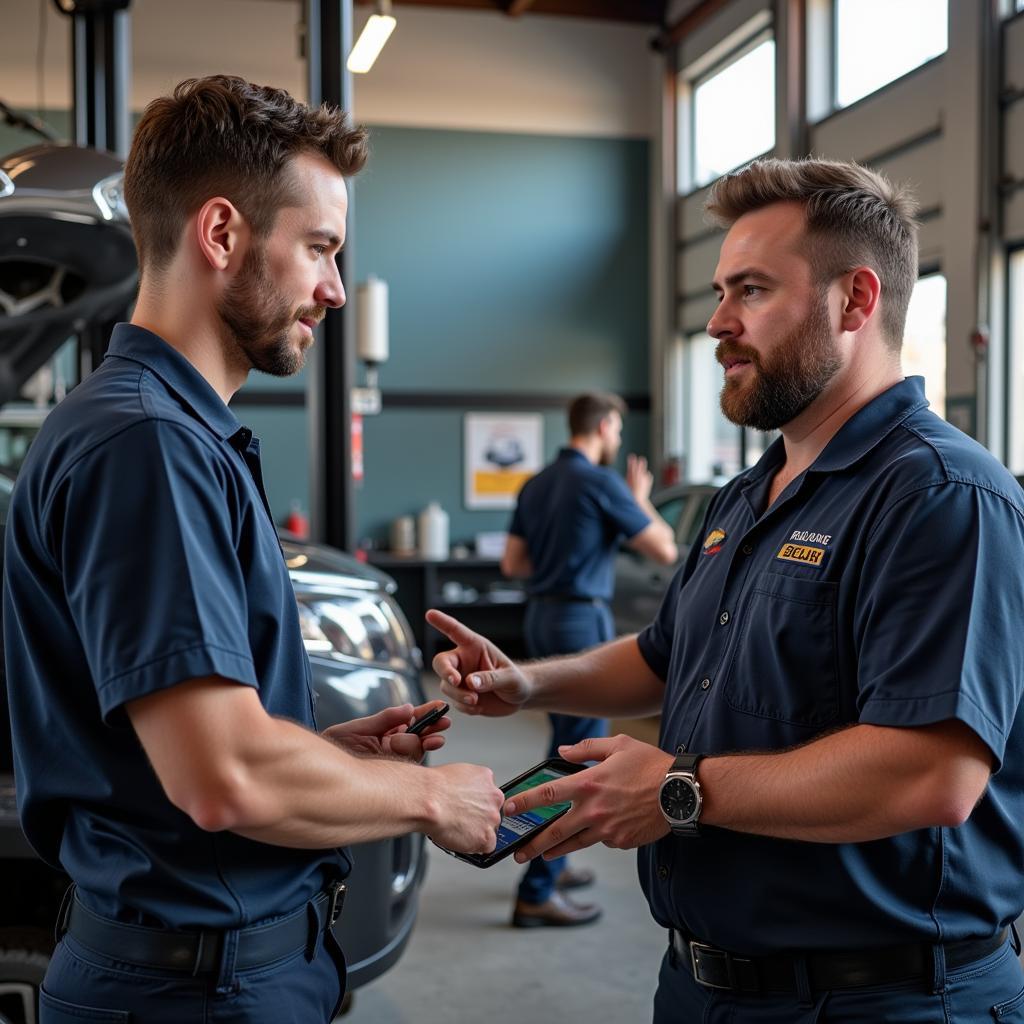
point(784, 664)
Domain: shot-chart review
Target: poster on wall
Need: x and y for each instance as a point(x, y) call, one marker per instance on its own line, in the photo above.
point(502, 452)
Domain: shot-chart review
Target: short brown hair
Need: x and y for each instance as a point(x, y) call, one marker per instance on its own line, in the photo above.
point(587, 411)
point(222, 135)
point(855, 216)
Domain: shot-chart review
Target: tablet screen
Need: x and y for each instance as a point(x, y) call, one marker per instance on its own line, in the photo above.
point(514, 828)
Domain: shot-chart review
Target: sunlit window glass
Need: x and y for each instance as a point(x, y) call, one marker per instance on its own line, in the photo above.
point(924, 340)
point(869, 55)
point(712, 441)
point(1016, 363)
point(734, 114)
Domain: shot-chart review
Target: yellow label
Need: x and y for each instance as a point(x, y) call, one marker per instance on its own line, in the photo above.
point(802, 553)
point(493, 484)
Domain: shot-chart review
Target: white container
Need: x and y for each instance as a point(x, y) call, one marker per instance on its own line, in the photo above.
point(433, 532)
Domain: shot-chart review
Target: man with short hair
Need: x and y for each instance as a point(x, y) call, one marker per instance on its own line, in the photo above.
point(565, 533)
point(831, 825)
point(164, 736)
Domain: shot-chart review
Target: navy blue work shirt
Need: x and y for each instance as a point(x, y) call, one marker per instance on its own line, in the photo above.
point(884, 586)
point(141, 553)
point(572, 515)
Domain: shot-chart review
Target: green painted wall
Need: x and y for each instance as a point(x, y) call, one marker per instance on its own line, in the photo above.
point(516, 264)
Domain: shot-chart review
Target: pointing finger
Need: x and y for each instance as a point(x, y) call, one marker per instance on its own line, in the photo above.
point(545, 795)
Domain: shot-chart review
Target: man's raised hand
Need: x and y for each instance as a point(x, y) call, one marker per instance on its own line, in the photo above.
point(476, 676)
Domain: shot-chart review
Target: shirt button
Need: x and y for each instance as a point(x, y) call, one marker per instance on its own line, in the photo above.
point(705, 684)
point(747, 549)
point(723, 618)
point(662, 872)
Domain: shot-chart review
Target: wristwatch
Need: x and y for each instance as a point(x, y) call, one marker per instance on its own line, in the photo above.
point(680, 796)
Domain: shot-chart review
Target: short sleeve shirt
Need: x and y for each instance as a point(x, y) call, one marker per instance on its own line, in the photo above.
point(572, 515)
point(140, 553)
point(885, 586)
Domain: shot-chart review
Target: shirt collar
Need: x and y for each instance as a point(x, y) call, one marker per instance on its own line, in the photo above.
point(568, 451)
point(129, 341)
point(858, 435)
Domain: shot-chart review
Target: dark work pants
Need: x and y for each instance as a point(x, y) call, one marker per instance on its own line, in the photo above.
point(988, 991)
point(83, 986)
point(554, 628)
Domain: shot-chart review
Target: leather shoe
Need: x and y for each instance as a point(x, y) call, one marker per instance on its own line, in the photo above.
point(574, 878)
point(558, 912)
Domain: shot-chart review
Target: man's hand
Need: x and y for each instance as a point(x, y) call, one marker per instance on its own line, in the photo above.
point(385, 733)
point(639, 479)
point(477, 677)
point(468, 810)
point(615, 802)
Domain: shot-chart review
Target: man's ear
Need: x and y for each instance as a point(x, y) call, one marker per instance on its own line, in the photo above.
point(221, 233)
point(861, 293)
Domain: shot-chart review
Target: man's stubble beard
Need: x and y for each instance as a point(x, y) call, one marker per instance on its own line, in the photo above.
point(789, 380)
point(257, 321)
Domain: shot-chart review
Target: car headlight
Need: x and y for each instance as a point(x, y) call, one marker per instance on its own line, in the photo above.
point(363, 627)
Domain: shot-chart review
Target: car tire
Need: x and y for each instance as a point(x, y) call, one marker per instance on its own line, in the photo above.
point(22, 965)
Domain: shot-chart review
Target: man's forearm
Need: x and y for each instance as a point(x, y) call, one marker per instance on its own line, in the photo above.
point(857, 785)
point(293, 788)
point(610, 681)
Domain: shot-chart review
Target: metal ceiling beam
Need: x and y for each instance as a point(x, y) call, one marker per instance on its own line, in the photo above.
point(328, 38)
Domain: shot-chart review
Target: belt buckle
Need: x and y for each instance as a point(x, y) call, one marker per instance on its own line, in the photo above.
point(700, 948)
point(336, 901)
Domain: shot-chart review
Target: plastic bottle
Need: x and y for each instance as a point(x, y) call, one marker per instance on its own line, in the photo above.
point(433, 532)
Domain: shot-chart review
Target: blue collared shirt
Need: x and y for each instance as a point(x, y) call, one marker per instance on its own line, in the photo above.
point(140, 553)
point(884, 586)
point(572, 515)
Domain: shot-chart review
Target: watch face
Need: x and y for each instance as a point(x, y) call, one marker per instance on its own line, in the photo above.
point(678, 799)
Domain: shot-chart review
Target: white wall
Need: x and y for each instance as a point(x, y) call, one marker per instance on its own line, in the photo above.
point(441, 69)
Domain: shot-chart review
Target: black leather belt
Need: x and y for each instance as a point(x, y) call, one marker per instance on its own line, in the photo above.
point(199, 952)
point(778, 973)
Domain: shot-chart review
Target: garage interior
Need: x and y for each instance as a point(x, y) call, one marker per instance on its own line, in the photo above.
point(533, 203)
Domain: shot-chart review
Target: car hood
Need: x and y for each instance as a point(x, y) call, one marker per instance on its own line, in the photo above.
point(305, 557)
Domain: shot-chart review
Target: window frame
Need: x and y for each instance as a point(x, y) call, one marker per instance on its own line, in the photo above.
point(833, 33)
point(692, 82)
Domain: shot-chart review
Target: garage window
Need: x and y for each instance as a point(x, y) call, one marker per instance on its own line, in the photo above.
point(713, 443)
point(1015, 363)
point(733, 111)
point(924, 340)
point(867, 57)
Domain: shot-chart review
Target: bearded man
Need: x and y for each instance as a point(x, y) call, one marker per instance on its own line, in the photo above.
point(831, 825)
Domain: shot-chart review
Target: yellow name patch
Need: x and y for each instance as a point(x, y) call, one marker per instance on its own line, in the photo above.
point(805, 554)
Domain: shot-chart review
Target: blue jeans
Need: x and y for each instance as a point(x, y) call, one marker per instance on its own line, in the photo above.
point(83, 986)
point(554, 628)
point(989, 991)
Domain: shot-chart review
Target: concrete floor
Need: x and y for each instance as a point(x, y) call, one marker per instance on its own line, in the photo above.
point(464, 962)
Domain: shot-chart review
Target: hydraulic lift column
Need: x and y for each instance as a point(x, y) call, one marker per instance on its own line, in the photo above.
point(101, 62)
point(331, 363)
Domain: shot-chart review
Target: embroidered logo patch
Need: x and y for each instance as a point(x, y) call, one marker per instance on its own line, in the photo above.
point(713, 542)
point(805, 554)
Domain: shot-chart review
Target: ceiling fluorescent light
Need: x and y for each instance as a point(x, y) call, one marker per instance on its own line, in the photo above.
point(371, 40)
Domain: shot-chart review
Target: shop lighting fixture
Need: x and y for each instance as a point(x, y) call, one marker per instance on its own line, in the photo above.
point(372, 39)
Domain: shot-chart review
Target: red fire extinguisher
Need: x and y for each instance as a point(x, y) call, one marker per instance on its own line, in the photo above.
point(297, 522)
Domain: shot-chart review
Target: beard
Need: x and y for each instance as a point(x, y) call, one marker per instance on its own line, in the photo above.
point(257, 320)
point(785, 382)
